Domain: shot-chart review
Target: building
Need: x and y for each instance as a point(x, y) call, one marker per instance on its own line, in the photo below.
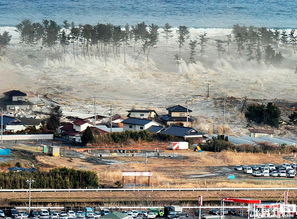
point(81, 125)
point(16, 100)
point(136, 124)
point(255, 133)
point(15, 95)
point(12, 124)
point(54, 151)
point(142, 114)
point(178, 131)
point(178, 115)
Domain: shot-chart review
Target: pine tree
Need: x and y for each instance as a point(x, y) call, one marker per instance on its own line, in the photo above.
point(183, 34)
point(193, 45)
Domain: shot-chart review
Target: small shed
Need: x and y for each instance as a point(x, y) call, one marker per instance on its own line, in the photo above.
point(54, 151)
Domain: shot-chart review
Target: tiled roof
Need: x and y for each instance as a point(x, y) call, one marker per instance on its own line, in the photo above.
point(136, 121)
point(180, 131)
point(178, 108)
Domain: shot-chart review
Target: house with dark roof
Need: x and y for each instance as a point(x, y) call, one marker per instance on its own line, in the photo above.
point(12, 124)
point(15, 95)
point(142, 114)
point(155, 129)
point(136, 124)
point(183, 132)
point(177, 115)
point(16, 100)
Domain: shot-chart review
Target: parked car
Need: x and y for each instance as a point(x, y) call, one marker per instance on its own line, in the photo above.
point(80, 214)
point(151, 215)
point(172, 214)
point(282, 173)
point(105, 212)
point(233, 211)
point(274, 173)
point(63, 215)
point(71, 214)
point(290, 175)
point(54, 215)
point(134, 213)
point(14, 212)
point(2, 214)
point(238, 168)
point(257, 173)
point(248, 170)
point(35, 214)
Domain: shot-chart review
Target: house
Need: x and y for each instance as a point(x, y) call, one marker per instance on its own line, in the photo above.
point(255, 133)
point(15, 95)
point(136, 124)
point(178, 115)
point(80, 125)
point(108, 129)
point(155, 129)
point(16, 100)
point(12, 124)
point(142, 114)
point(182, 132)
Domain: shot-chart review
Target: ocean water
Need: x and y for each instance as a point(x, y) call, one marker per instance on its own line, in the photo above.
point(193, 13)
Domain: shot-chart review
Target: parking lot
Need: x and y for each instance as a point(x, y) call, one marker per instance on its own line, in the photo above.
point(268, 170)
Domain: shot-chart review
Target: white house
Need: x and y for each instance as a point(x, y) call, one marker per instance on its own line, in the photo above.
point(135, 124)
point(81, 125)
point(142, 114)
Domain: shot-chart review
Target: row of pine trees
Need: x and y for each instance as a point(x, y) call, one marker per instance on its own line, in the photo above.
point(108, 40)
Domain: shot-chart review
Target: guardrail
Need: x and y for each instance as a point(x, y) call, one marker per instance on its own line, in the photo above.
point(151, 190)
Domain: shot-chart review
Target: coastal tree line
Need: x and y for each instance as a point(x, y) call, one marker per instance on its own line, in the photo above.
point(108, 40)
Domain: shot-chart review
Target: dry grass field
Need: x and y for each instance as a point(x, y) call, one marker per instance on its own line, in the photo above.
point(188, 169)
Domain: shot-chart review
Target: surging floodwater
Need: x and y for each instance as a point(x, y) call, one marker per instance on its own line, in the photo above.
point(193, 13)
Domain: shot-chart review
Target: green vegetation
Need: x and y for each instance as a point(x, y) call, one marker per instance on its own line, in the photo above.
point(261, 114)
point(293, 118)
point(127, 137)
point(53, 121)
point(4, 40)
point(61, 178)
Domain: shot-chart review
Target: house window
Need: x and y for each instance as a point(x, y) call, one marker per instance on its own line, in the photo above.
point(141, 127)
point(130, 126)
point(141, 114)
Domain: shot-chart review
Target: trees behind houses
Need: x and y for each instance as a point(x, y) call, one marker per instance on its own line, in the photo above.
point(261, 114)
point(53, 122)
point(4, 40)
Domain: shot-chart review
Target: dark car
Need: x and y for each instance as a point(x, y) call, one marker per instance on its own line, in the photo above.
point(14, 213)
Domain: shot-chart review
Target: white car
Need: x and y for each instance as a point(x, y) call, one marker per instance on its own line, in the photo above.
point(248, 170)
point(71, 214)
point(54, 215)
point(265, 173)
point(151, 215)
point(274, 173)
point(282, 173)
point(44, 213)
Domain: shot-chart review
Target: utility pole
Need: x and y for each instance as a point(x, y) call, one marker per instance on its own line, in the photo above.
point(94, 123)
point(207, 95)
point(30, 181)
point(110, 116)
point(2, 126)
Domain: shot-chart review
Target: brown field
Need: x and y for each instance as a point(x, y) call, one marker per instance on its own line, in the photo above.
point(177, 172)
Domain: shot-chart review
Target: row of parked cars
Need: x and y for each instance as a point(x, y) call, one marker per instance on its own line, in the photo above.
point(46, 214)
point(89, 213)
point(270, 170)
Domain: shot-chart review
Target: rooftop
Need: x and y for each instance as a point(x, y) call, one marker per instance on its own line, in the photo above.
point(15, 93)
point(264, 131)
point(178, 108)
point(141, 110)
point(136, 121)
point(180, 131)
point(175, 119)
point(155, 129)
point(79, 122)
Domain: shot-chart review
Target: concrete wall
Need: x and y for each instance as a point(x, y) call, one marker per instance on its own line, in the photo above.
point(27, 137)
